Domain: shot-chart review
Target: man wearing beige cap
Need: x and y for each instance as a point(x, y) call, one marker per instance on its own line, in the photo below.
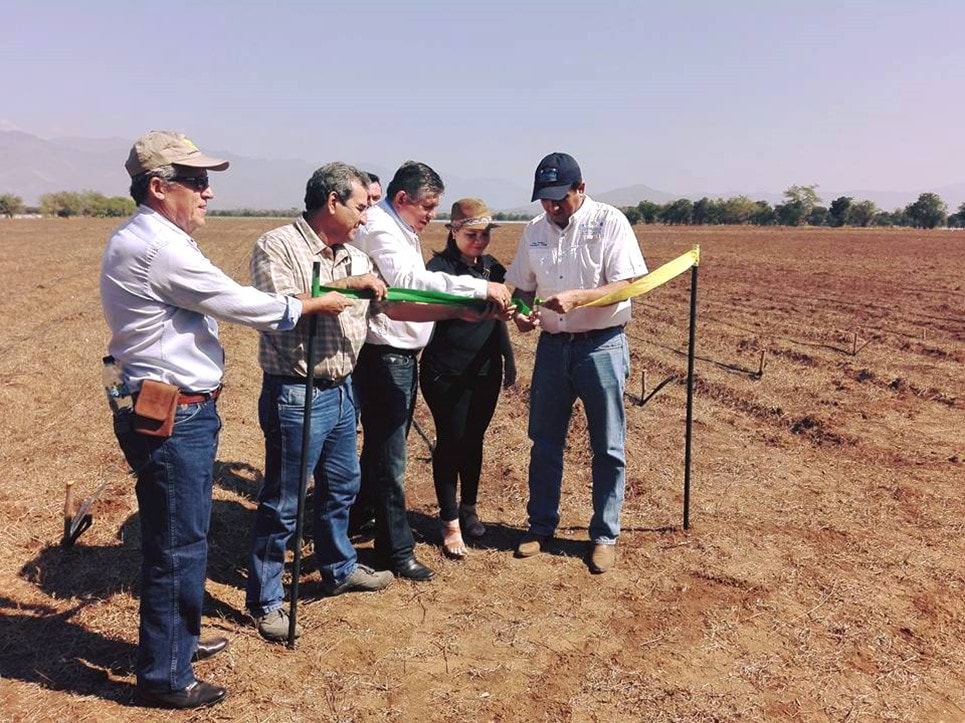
point(162, 298)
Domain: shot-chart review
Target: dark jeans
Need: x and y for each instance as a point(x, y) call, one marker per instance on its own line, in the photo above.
point(462, 408)
point(174, 479)
point(386, 381)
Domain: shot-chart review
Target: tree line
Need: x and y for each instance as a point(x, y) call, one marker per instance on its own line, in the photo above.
point(802, 206)
point(65, 204)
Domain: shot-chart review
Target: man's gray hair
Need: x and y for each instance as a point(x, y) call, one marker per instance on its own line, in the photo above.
point(140, 182)
point(417, 180)
point(337, 178)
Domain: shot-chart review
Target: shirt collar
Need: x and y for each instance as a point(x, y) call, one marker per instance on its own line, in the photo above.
point(395, 214)
point(315, 243)
point(576, 217)
point(154, 216)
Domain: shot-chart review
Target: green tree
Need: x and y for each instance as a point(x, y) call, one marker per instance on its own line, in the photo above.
point(715, 212)
point(764, 214)
point(10, 205)
point(863, 213)
point(895, 218)
point(648, 211)
point(62, 203)
point(633, 215)
point(929, 211)
point(701, 212)
point(807, 196)
point(737, 210)
point(818, 216)
point(957, 219)
point(791, 213)
point(679, 212)
point(839, 210)
point(100, 206)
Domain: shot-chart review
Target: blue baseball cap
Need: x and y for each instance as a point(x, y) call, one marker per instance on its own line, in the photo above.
point(555, 174)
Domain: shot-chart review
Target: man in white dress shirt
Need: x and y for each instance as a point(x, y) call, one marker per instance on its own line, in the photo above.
point(161, 298)
point(387, 373)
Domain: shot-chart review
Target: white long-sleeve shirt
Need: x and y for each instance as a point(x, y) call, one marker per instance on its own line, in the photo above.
point(394, 248)
point(161, 298)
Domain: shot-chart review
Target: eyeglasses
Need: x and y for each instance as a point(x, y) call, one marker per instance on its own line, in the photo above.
point(547, 175)
point(198, 183)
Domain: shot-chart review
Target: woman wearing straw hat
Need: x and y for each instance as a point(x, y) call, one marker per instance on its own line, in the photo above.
point(461, 374)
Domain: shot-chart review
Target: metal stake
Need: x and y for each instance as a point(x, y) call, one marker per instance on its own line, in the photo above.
point(690, 392)
point(306, 441)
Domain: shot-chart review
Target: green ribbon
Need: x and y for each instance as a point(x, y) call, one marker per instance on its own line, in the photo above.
point(522, 308)
point(423, 297)
point(413, 295)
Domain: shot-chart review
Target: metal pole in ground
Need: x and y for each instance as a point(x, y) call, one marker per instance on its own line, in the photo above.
point(690, 392)
point(306, 443)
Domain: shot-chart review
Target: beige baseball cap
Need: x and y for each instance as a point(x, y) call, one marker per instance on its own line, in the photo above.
point(164, 148)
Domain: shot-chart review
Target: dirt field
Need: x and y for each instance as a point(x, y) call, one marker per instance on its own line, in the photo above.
point(821, 579)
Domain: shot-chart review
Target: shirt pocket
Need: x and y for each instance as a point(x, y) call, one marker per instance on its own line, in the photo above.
point(588, 247)
point(545, 263)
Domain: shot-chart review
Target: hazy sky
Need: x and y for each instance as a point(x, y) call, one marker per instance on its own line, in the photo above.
point(711, 96)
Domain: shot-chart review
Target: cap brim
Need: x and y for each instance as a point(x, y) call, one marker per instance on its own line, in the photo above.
point(203, 161)
point(550, 193)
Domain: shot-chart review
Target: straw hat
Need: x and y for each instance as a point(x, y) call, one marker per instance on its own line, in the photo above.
point(470, 213)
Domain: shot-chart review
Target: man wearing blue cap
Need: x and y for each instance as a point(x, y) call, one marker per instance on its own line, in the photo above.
point(577, 251)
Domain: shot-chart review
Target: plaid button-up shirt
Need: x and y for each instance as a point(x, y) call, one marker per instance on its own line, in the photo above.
point(282, 263)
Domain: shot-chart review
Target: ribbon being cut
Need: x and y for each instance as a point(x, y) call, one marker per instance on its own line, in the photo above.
point(423, 297)
point(655, 278)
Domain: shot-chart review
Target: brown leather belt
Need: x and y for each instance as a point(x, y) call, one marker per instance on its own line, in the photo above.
point(187, 397)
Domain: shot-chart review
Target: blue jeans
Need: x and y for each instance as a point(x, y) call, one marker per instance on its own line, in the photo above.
point(593, 369)
point(174, 479)
point(386, 381)
point(333, 459)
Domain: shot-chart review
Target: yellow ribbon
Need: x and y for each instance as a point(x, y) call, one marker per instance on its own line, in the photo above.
point(655, 278)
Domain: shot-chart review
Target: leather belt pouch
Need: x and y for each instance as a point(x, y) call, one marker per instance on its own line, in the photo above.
point(155, 409)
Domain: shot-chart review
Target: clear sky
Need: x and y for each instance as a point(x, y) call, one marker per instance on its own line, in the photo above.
point(684, 96)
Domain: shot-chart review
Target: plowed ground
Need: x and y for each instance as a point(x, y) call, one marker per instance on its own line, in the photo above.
point(821, 578)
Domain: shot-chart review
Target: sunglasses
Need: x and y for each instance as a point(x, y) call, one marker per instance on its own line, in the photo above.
point(198, 183)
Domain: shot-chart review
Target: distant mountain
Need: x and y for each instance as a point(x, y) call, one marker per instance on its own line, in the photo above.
point(632, 195)
point(32, 166)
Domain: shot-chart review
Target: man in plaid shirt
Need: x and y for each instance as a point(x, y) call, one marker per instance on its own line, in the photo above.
point(336, 199)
